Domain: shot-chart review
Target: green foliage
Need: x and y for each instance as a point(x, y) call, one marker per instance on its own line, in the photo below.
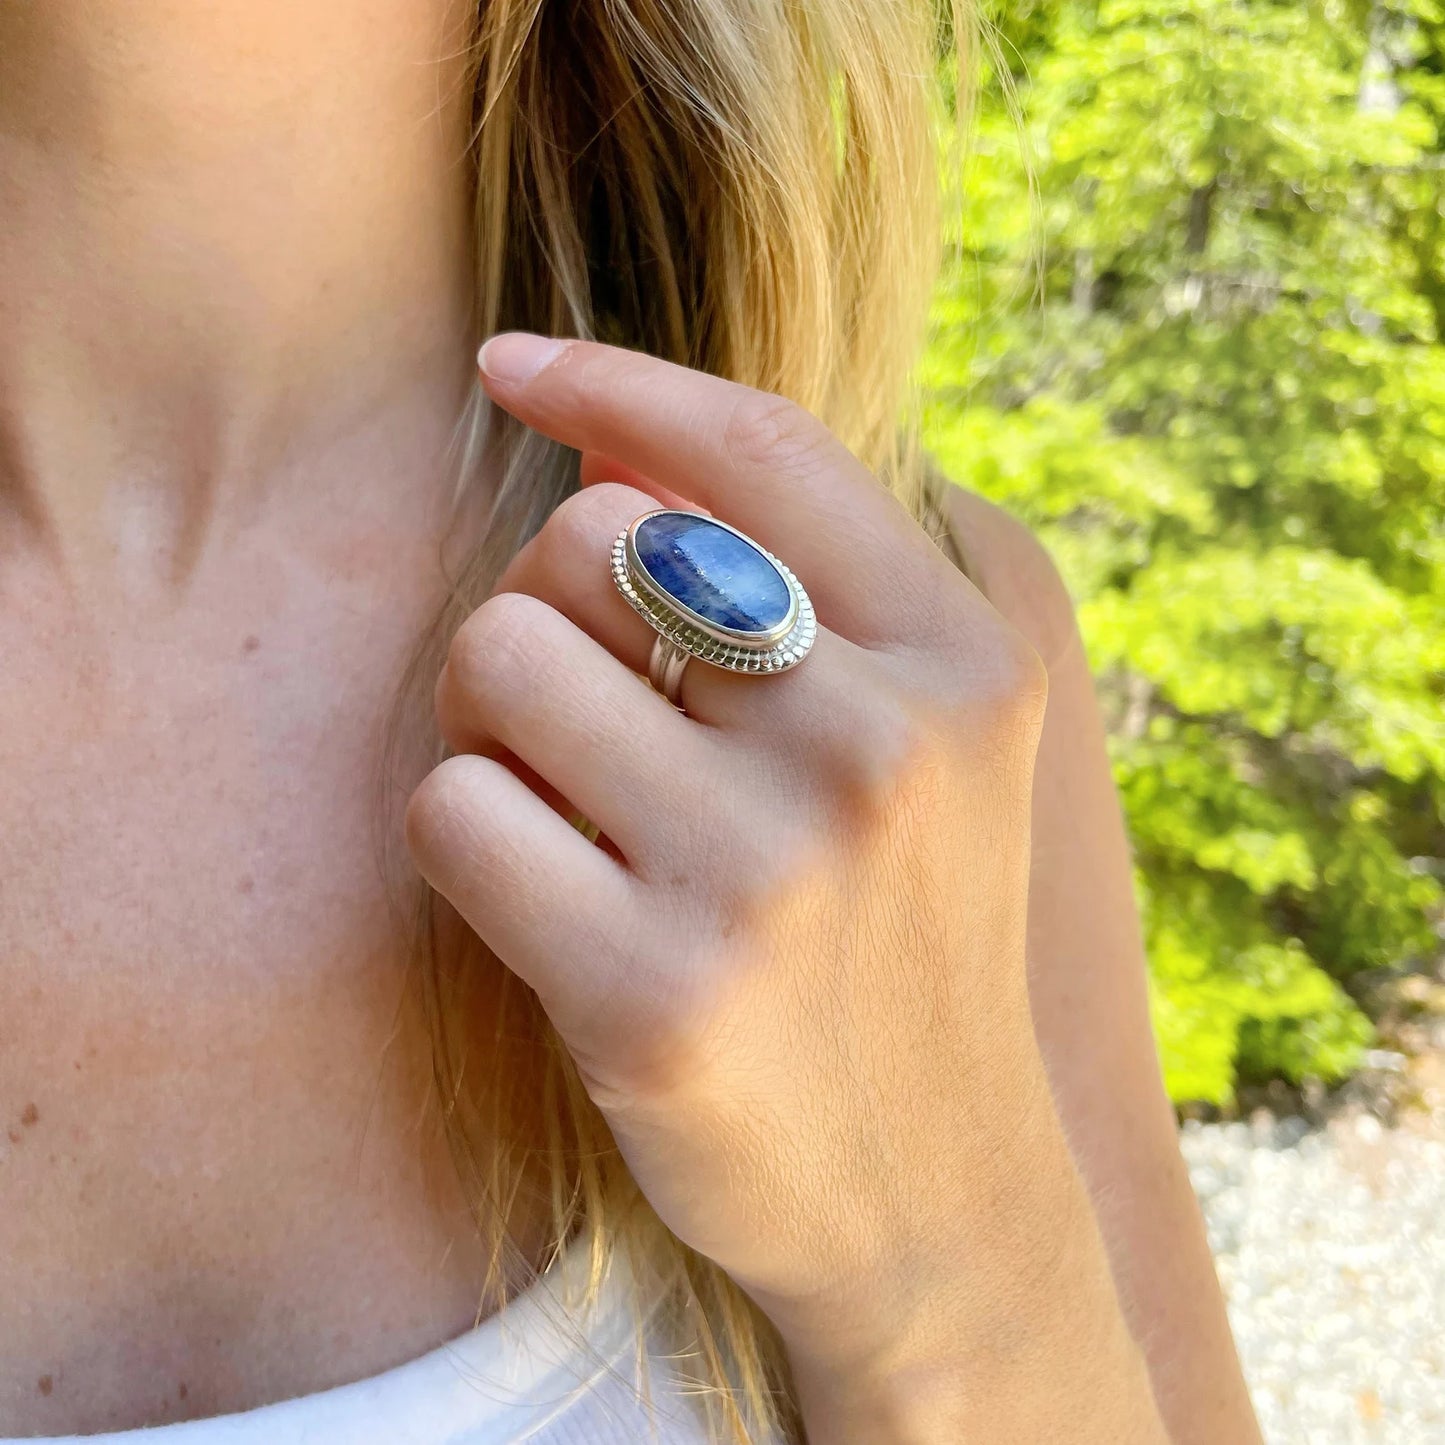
point(1227, 419)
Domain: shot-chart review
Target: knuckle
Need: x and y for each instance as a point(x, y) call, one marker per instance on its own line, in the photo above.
point(577, 524)
point(879, 747)
point(434, 810)
point(1011, 688)
point(569, 533)
point(766, 430)
point(503, 635)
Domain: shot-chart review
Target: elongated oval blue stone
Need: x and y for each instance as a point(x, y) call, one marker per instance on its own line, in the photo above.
point(717, 574)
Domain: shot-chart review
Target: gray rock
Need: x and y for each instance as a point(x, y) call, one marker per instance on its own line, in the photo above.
point(1330, 1246)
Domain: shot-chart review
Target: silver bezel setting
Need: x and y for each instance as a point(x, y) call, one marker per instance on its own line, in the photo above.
point(783, 647)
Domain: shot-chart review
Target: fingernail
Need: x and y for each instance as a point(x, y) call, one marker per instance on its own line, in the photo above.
point(517, 356)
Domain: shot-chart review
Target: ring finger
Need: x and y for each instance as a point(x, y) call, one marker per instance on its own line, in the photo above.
point(566, 565)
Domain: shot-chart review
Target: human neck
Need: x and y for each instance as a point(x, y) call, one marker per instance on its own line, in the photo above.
point(235, 251)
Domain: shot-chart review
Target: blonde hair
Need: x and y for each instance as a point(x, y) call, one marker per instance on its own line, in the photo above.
point(751, 188)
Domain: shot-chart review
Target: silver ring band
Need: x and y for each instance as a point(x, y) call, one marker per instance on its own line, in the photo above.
point(665, 668)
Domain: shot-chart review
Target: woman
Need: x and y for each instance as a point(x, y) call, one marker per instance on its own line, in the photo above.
point(719, 1011)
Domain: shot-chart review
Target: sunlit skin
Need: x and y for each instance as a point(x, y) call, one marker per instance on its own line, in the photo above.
point(797, 987)
point(856, 976)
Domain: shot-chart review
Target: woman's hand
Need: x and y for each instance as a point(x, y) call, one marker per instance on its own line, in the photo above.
point(793, 979)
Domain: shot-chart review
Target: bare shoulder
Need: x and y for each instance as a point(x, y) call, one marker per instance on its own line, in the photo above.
point(1013, 569)
point(1087, 987)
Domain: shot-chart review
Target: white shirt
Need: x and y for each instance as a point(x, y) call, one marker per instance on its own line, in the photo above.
point(540, 1370)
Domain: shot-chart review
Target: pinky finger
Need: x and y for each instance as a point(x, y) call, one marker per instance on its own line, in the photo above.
point(554, 907)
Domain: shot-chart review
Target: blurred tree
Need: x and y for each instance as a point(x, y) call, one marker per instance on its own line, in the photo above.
point(1227, 419)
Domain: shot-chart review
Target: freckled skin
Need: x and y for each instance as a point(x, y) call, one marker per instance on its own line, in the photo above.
point(200, 997)
point(225, 478)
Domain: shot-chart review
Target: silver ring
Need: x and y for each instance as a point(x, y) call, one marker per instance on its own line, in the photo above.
point(711, 592)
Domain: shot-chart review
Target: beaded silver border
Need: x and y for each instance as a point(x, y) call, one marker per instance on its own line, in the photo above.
point(719, 646)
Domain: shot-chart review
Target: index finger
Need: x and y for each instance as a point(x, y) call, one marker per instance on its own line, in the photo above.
point(751, 458)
